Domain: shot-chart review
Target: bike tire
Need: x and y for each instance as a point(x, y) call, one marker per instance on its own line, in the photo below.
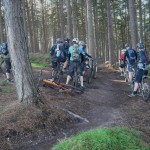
point(74, 89)
point(89, 76)
point(75, 80)
point(146, 91)
point(94, 72)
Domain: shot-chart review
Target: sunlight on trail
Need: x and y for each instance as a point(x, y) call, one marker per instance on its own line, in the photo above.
point(119, 81)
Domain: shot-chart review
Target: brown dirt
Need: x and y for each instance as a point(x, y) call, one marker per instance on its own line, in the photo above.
point(104, 103)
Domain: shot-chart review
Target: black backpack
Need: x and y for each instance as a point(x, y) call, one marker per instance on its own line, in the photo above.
point(132, 56)
point(142, 56)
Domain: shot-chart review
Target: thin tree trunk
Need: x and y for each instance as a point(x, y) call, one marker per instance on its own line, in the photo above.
point(74, 18)
point(1, 25)
point(133, 23)
point(69, 21)
point(112, 57)
point(61, 15)
point(91, 41)
point(140, 20)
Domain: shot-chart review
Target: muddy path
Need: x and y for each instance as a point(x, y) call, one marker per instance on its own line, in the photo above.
point(104, 103)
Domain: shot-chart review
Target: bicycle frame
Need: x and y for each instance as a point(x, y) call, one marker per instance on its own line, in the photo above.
point(57, 73)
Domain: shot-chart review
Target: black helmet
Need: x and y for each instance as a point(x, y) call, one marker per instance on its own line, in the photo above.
point(140, 45)
point(66, 39)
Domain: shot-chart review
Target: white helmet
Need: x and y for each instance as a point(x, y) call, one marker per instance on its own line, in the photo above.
point(75, 40)
point(81, 43)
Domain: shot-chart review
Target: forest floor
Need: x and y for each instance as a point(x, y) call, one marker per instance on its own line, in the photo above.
point(104, 103)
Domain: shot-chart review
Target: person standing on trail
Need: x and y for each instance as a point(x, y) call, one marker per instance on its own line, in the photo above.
point(74, 54)
point(130, 57)
point(6, 62)
point(142, 67)
point(58, 55)
point(84, 55)
point(121, 62)
point(66, 48)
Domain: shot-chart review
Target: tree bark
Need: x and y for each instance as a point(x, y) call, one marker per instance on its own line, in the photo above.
point(61, 17)
point(112, 57)
point(140, 20)
point(91, 40)
point(133, 23)
point(69, 21)
point(17, 43)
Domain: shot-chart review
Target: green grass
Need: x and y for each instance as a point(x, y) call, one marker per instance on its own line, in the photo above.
point(40, 60)
point(104, 139)
point(6, 87)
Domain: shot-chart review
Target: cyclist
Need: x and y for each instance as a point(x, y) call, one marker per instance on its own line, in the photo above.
point(66, 48)
point(6, 63)
point(121, 62)
point(142, 67)
point(58, 55)
point(75, 56)
point(130, 57)
point(84, 55)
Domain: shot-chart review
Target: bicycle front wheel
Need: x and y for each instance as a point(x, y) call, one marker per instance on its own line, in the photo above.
point(146, 91)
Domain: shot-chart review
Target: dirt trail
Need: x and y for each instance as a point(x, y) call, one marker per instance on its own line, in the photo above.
point(104, 99)
point(103, 104)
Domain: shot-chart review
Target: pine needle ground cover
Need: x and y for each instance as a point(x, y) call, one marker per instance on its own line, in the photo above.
point(104, 139)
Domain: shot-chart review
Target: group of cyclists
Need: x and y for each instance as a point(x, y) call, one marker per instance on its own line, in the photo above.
point(63, 52)
point(136, 62)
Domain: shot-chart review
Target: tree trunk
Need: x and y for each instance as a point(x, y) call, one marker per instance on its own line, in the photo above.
point(91, 40)
point(17, 43)
point(140, 20)
point(112, 57)
point(1, 25)
point(74, 18)
point(133, 23)
point(69, 21)
point(61, 17)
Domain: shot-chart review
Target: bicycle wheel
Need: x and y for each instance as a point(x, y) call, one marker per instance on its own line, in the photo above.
point(89, 76)
point(75, 79)
point(146, 91)
point(72, 88)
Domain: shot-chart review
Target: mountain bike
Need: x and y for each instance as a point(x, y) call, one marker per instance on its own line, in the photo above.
point(94, 68)
point(144, 88)
point(76, 76)
point(57, 73)
point(87, 72)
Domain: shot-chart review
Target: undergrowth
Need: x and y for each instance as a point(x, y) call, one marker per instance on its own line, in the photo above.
point(117, 138)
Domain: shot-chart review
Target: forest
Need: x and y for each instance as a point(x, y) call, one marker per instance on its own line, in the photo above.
point(105, 25)
point(33, 117)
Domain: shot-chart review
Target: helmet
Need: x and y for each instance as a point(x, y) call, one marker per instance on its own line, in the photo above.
point(81, 43)
point(59, 40)
point(123, 50)
point(75, 40)
point(66, 39)
point(140, 45)
point(127, 45)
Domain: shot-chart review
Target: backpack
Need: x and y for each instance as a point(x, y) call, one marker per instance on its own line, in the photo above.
point(75, 53)
point(132, 56)
point(59, 52)
point(4, 49)
point(142, 56)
